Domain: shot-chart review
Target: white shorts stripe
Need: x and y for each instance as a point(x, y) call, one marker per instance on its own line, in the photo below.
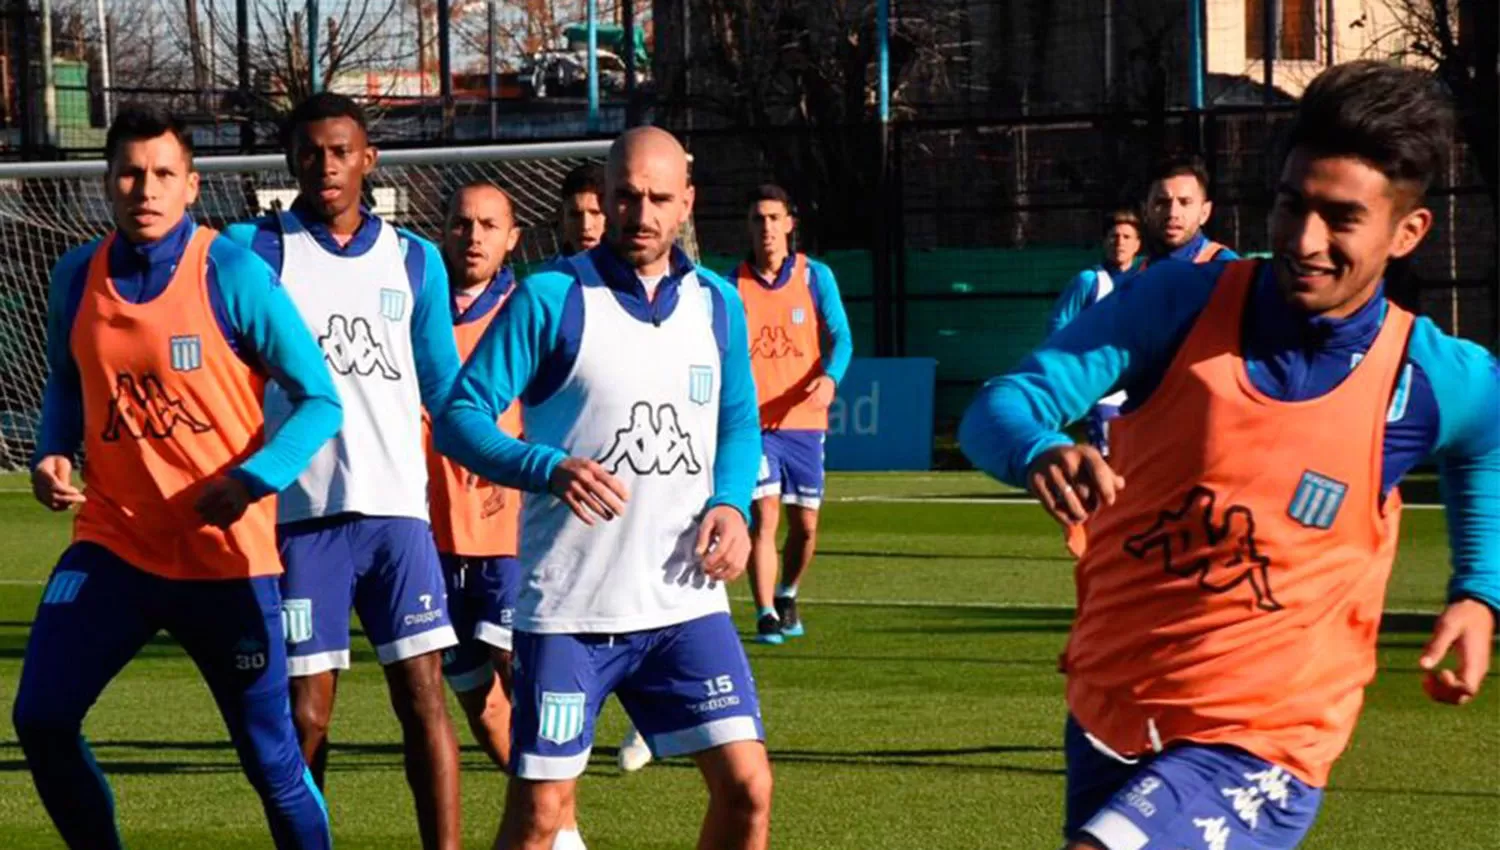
point(696, 739)
point(473, 680)
point(530, 766)
point(500, 637)
point(812, 503)
point(764, 490)
point(1116, 832)
point(318, 662)
point(421, 643)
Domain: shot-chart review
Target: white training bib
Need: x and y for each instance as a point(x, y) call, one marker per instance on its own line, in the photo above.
point(642, 400)
point(359, 309)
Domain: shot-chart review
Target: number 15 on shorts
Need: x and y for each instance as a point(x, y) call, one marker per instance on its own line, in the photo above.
point(719, 687)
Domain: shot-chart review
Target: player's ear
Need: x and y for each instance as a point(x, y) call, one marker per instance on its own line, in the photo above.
point(512, 240)
point(372, 156)
point(1410, 231)
point(687, 199)
point(194, 183)
point(1208, 210)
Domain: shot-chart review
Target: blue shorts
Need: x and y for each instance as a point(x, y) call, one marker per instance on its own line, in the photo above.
point(687, 688)
point(384, 567)
point(482, 605)
point(791, 466)
point(1215, 797)
point(1097, 426)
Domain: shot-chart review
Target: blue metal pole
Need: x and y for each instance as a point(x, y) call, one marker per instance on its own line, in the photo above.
point(315, 81)
point(1195, 53)
point(593, 12)
point(883, 52)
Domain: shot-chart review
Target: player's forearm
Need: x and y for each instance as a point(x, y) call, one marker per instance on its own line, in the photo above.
point(60, 431)
point(469, 435)
point(313, 420)
point(1001, 432)
point(1471, 497)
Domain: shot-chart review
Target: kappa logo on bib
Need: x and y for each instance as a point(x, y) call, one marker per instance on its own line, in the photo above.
point(653, 443)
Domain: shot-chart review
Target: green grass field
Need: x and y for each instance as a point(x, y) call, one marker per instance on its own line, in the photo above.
point(923, 709)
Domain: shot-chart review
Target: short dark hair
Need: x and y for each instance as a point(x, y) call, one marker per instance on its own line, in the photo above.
point(322, 106)
point(1393, 118)
point(136, 122)
point(772, 192)
point(586, 178)
point(1182, 166)
point(1123, 215)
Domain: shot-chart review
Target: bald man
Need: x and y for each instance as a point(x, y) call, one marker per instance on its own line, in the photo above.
point(632, 367)
point(474, 521)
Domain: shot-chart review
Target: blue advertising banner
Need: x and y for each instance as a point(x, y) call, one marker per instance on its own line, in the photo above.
point(882, 416)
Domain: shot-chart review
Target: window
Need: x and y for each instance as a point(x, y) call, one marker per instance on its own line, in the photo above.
point(1297, 36)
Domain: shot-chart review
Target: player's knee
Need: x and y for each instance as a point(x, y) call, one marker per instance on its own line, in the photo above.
point(419, 699)
point(746, 793)
point(311, 719)
point(36, 721)
point(802, 528)
point(543, 808)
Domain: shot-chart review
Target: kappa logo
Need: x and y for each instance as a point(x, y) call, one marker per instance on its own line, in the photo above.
point(1232, 556)
point(144, 409)
point(1215, 832)
point(350, 348)
point(1272, 785)
point(652, 444)
point(495, 498)
point(773, 344)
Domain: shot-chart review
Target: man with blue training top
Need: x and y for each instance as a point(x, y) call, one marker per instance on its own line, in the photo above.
point(1178, 206)
point(1122, 245)
point(800, 347)
point(160, 338)
point(354, 529)
point(1242, 537)
point(642, 440)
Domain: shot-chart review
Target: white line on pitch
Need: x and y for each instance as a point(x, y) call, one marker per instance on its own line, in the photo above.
point(997, 500)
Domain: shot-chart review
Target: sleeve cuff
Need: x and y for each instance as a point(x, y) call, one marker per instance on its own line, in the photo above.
point(727, 501)
point(258, 487)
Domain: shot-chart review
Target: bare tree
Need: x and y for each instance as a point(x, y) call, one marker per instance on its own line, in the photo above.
point(134, 62)
point(1458, 38)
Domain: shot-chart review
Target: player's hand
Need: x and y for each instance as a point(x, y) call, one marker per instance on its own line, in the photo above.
point(223, 501)
point(588, 490)
point(1072, 482)
point(1467, 627)
point(820, 392)
point(723, 543)
point(52, 483)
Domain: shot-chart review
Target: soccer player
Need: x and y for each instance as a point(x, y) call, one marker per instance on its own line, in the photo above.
point(475, 522)
point(580, 214)
point(159, 339)
point(800, 347)
point(580, 223)
point(632, 368)
point(1177, 208)
point(1243, 533)
point(353, 530)
point(1122, 242)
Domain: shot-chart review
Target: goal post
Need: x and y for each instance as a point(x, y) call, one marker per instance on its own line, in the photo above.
point(46, 208)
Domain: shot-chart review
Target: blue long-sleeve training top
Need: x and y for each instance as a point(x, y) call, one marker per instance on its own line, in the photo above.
point(1445, 406)
point(833, 322)
point(529, 351)
point(253, 312)
point(431, 321)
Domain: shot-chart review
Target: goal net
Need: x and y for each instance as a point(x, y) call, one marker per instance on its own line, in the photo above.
point(48, 208)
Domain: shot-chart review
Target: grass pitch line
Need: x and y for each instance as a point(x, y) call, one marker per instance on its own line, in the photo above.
point(999, 499)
